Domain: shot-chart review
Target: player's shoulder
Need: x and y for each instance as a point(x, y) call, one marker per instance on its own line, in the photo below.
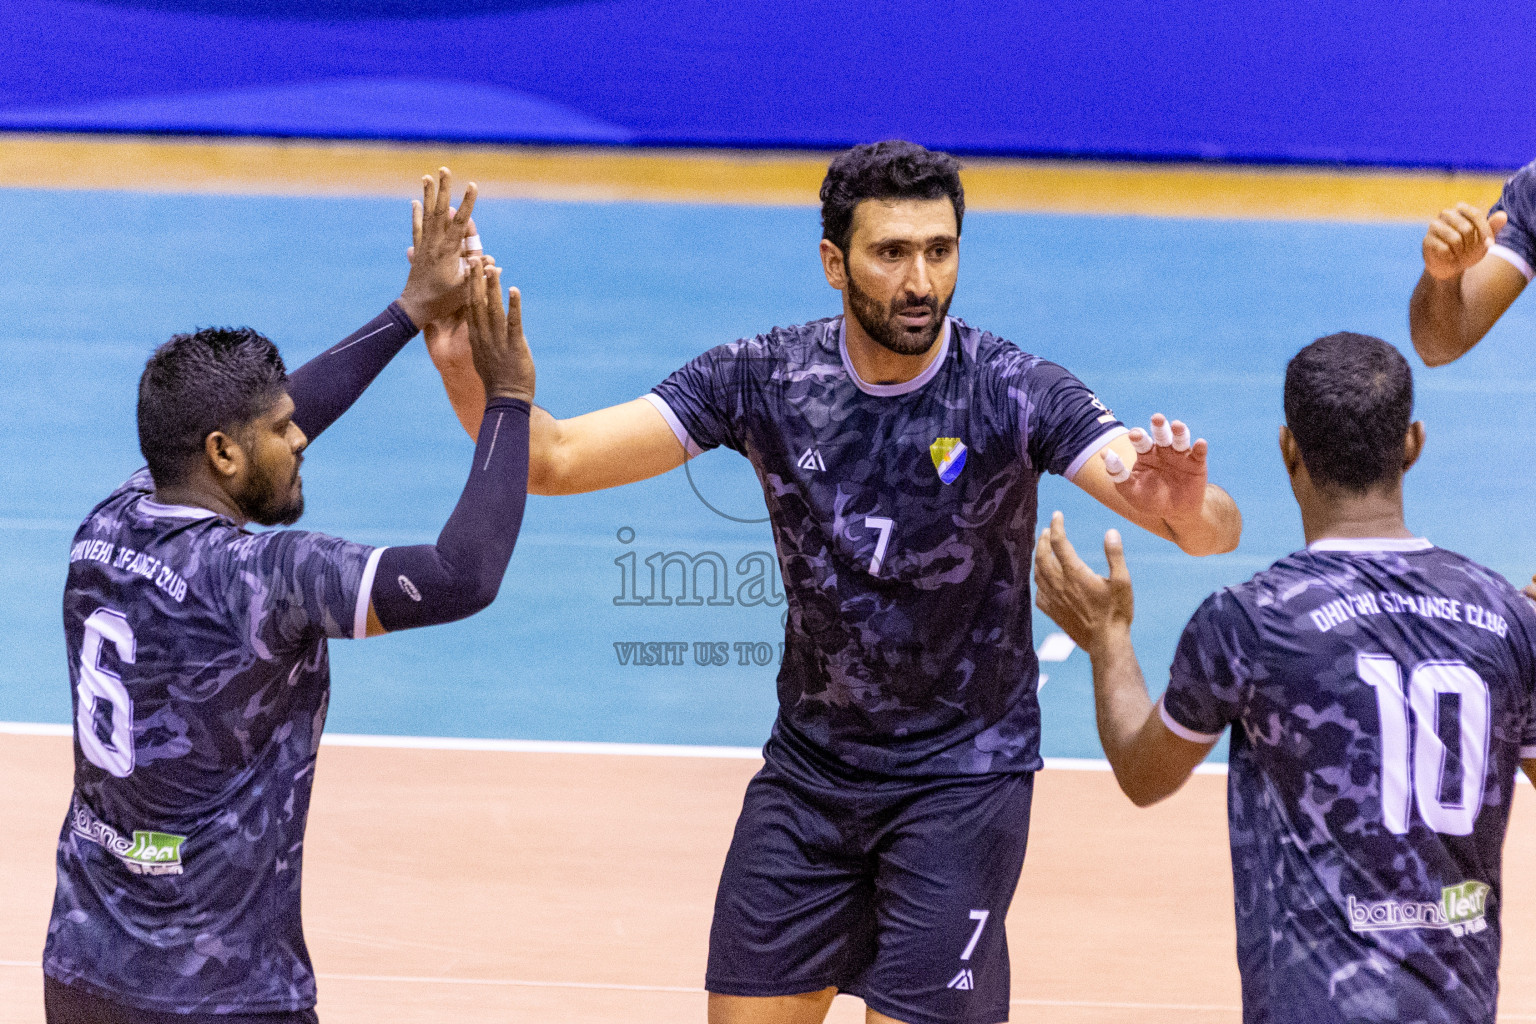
point(107, 513)
point(1518, 198)
point(779, 350)
point(792, 342)
point(997, 357)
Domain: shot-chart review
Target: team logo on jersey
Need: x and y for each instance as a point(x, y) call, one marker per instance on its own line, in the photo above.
point(948, 454)
point(1106, 415)
point(1462, 910)
point(812, 460)
point(147, 853)
point(964, 981)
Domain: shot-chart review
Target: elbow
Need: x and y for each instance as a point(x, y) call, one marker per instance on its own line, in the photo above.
point(480, 594)
point(1142, 789)
point(543, 474)
point(549, 467)
point(1432, 356)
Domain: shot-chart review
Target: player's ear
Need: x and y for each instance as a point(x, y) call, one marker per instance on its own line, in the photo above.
point(1290, 451)
point(834, 265)
point(225, 455)
point(1413, 444)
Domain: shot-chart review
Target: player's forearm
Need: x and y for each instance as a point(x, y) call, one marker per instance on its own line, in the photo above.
point(1216, 530)
point(326, 386)
point(1125, 711)
point(1121, 704)
point(429, 584)
point(1437, 320)
point(466, 392)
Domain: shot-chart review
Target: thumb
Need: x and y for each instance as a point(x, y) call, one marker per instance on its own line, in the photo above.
point(1497, 221)
point(1114, 553)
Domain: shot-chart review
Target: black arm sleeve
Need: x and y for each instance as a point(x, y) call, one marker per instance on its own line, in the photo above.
point(428, 584)
point(326, 386)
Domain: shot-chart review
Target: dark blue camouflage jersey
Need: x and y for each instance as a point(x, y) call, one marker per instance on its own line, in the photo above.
point(197, 654)
point(1516, 241)
point(904, 517)
point(1381, 696)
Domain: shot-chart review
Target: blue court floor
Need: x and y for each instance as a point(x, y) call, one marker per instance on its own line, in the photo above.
point(1193, 318)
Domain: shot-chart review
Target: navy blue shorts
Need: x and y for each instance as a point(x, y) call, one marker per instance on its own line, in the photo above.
point(892, 890)
point(67, 1004)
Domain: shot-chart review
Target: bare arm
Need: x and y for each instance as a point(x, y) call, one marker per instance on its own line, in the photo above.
point(1164, 489)
point(607, 448)
point(1150, 762)
point(1464, 288)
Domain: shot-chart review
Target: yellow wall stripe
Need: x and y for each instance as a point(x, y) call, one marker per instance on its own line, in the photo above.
point(270, 167)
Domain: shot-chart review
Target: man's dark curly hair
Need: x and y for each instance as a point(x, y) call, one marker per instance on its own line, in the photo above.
point(1349, 402)
point(218, 378)
point(885, 170)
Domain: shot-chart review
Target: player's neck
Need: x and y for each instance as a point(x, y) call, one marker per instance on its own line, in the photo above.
point(876, 364)
point(200, 494)
point(1345, 515)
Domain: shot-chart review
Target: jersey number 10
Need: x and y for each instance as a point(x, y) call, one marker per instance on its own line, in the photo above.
point(104, 718)
point(1421, 705)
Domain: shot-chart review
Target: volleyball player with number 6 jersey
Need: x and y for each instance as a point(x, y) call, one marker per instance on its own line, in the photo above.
point(197, 649)
point(899, 451)
point(1382, 697)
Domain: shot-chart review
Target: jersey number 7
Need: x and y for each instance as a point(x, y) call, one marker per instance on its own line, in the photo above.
point(1421, 704)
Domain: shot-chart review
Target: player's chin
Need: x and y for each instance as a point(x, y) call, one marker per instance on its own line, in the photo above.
point(285, 513)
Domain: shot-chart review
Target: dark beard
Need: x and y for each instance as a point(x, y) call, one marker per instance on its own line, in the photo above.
point(881, 323)
point(260, 502)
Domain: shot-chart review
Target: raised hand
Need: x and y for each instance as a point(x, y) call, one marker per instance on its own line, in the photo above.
point(496, 341)
point(1458, 239)
point(1088, 607)
point(434, 288)
point(1169, 476)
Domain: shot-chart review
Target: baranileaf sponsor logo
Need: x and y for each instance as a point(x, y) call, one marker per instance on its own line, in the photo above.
point(1462, 910)
point(147, 853)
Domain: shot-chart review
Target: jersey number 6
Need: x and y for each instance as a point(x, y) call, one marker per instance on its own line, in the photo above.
point(1426, 683)
point(104, 719)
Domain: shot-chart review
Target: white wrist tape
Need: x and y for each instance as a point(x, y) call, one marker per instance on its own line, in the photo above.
point(1118, 471)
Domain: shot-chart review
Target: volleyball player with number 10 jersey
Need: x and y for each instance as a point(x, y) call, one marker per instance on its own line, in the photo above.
point(1382, 697)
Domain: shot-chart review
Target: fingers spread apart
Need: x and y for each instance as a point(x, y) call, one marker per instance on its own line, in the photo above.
point(1163, 434)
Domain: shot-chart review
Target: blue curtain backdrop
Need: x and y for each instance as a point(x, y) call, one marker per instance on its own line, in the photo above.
point(1425, 82)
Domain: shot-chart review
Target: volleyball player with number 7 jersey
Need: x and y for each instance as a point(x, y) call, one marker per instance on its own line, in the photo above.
point(1382, 697)
point(899, 452)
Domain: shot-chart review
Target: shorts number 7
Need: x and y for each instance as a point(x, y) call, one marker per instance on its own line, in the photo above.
point(980, 917)
point(885, 526)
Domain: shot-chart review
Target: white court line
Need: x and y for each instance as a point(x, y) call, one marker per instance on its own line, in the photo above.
point(342, 739)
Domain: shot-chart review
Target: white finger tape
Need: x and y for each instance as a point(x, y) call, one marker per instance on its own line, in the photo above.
point(1181, 438)
point(1141, 441)
point(472, 244)
point(1118, 471)
point(1162, 435)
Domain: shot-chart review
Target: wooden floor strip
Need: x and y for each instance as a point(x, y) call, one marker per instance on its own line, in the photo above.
point(268, 167)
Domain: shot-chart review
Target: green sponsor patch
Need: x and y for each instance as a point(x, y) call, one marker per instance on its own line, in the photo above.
point(157, 848)
point(1465, 902)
